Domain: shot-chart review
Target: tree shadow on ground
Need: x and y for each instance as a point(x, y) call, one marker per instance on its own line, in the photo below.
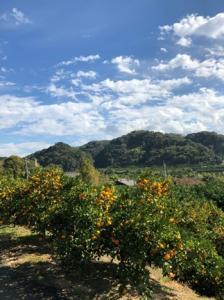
point(31, 279)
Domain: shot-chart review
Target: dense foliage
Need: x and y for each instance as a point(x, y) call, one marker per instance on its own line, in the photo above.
point(15, 166)
point(139, 148)
point(88, 172)
point(62, 155)
point(212, 188)
point(153, 148)
point(94, 148)
point(211, 140)
point(154, 222)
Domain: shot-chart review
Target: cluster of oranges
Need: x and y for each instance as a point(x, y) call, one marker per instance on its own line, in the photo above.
point(169, 254)
point(50, 179)
point(104, 201)
point(45, 186)
point(157, 189)
point(105, 221)
point(9, 188)
point(106, 198)
point(6, 193)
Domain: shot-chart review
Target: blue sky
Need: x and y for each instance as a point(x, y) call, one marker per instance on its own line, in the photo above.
point(82, 70)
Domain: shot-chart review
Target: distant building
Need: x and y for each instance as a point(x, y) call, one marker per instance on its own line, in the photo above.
point(72, 174)
point(126, 182)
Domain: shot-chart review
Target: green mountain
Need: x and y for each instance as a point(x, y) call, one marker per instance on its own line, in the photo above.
point(62, 155)
point(94, 148)
point(144, 148)
point(138, 148)
point(211, 140)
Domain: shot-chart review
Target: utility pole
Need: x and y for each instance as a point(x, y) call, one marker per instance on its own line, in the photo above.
point(164, 169)
point(27, 168)
point(36, 163)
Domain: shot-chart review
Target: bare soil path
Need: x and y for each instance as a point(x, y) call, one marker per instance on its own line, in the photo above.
point(28, 271)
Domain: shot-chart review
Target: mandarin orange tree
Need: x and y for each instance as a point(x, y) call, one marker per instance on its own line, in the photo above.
point(119, 223)
point(9, 188)
point(42, 196)
point(30, 202)
point(148, 224)
point(197, 257)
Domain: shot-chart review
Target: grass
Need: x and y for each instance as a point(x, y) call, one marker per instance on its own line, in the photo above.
point(15, 231)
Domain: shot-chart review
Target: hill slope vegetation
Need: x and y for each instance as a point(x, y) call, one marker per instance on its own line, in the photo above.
point(62, 155)
point(139, 148)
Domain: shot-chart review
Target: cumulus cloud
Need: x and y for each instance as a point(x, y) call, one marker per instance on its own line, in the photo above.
point(19, 17)
point(184, 42)
point(21, 149)
point(202, 110)
point(194, 25)
point(14, 17)
point(75, 60)
point(125, 106)
point(61, 92)
point(126, 64)
point(15, 109)
point(163, 50)
point(59, 75)
point(135, 91)
point(183, 61)
point(217, 51)
point(67, 118)
point(27, 116)
point(88, 74)
point(211, 67)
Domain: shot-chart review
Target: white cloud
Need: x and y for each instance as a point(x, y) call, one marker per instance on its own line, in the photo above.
point(211, 67)
point(115, 109)
point(19, 17)
point(184, 42)
point(163, 50)
point(21, 149)
point(89, 58)
point(14, 17)
point(31, 117)
point(88, 74)
point(6, 84)
point(193, 112)
point(135, 91)
point(217, 51)
point(59, 75)
point(194, 25)
point(76, 82)
point(183, 61)
point(126, 64)
point(61, 92)
point(15, 109)
point(207, 68)
point(26, 116)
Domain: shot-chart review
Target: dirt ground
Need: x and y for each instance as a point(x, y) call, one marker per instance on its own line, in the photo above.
point(28, 271)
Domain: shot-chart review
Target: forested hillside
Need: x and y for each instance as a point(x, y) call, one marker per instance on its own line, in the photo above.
point(139, 148)
point(143, 148)
point(62, 155)
point(211, 140)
